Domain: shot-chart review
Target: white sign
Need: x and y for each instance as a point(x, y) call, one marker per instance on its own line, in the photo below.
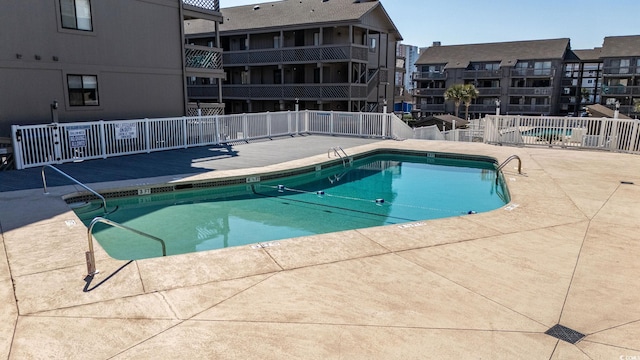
point(77, 138)
point(126, 131)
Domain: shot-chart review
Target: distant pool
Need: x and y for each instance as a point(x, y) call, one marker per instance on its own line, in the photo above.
point(373, 191)
point(546, 132)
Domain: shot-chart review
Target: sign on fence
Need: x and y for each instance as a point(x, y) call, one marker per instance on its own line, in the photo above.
point(126, 131)
point(77, 138)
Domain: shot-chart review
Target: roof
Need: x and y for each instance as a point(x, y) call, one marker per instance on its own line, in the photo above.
point(288, 13)
point(598, 110)
point(507, 53)
point(621, 46)
point(449, 119)
point(588, 54)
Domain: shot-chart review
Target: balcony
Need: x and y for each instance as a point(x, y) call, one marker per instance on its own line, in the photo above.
point(281, 91)
point(489, 91)
point(482, 74)
point(619, 71)
point(430, 92)
point(429, 76)
point(620, 90)
point(532, 72)
point(531, 91)
point(439, 108)
point(203, 61)
point(529, 109)
point(296, 55)
point(481, 108)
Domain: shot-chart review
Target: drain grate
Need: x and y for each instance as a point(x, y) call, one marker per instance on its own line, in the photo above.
point(565, 334)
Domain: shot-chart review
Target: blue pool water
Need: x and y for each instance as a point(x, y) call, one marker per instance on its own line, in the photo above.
point(547, 132)
point(377, 190)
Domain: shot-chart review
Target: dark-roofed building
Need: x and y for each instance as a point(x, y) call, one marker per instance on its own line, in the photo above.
point(540, 77)
point(67, 61)
point(581, 81)
point(621, 72)
point(521, 75)
point(328, 55)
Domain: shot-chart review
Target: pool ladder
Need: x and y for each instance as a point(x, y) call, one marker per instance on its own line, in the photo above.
point(339, 152)
point(512, 157)
point(90, 255)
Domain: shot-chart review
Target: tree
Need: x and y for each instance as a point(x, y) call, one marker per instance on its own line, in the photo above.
point(456, 93)
point(636, 106)
point(470, 93)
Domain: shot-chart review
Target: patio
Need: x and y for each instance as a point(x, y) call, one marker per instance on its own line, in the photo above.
point(564, 251)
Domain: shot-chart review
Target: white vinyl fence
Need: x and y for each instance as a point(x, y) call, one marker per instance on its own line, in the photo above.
point(56, 143)
point(620, 135)
point(38, 145)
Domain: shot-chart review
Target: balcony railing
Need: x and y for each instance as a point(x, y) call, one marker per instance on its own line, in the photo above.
point(213, 5)
point(477, 74)
point(281, 91)
point(429, 76)
point(483, 108)
point(532, 72)
point(430, 107)
point(529, 109)
point(620, 90)
point(296, 55)
point(620, 71)
point(202, 57)
point(533, 91)
point(430, 91)
point(489, 91)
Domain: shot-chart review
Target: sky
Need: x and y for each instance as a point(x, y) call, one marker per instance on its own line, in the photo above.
point(456, 22)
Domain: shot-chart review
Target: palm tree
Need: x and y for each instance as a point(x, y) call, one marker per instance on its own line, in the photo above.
point(457, 93)
point(470, 93)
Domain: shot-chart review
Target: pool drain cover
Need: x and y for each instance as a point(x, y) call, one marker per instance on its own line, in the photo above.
point(565, 334)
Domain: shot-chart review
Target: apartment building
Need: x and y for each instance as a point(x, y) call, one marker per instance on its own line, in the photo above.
point(322, 55)
point(620, 56)
point(539, 77)
point(521, 76)
point(75, 60)
point(581, 81)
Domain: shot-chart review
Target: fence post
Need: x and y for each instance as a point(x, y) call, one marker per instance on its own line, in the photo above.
point(147, 134)
point(16, 135)
point(185, 136)
point(331, 122)
point(633, 141)
point(103, 139)
point(385, 118)
point(217, 126)
point(244, 126)
point(269, 125)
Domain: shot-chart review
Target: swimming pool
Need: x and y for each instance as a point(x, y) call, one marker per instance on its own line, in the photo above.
point(381, 189)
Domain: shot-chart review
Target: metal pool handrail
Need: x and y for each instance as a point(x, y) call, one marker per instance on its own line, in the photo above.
point(91, 260)
point(336, 151)
point(44, 183)
point(505, 163)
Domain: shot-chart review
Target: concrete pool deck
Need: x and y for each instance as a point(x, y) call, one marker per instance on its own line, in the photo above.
point(566, 251)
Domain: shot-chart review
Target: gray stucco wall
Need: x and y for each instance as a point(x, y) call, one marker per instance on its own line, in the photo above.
point(135, 50)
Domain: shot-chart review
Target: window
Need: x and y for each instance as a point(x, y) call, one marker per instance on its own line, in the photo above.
point(372, 44)
point(76, 14)
point(542, 68)
point(83, 90)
